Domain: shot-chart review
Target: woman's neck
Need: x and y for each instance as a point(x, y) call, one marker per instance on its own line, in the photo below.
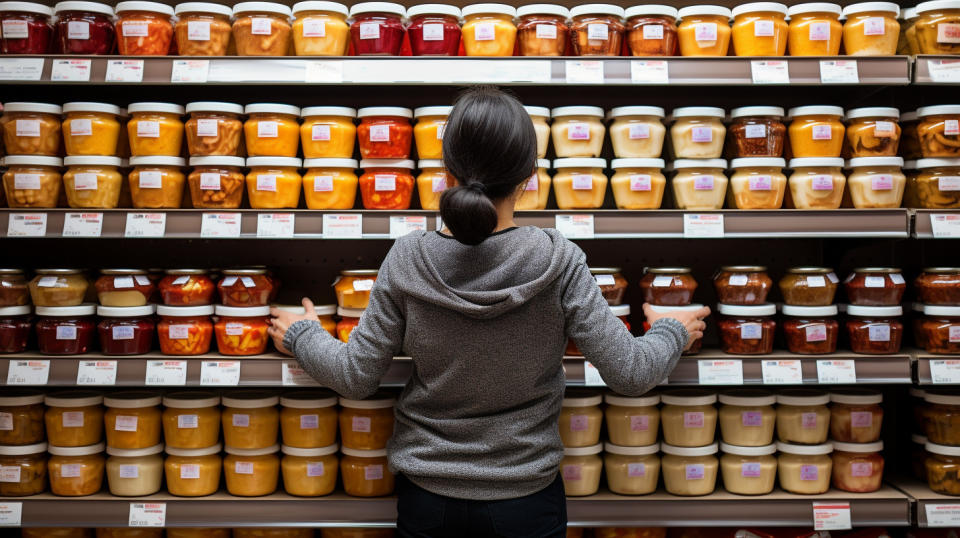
point(505, 214)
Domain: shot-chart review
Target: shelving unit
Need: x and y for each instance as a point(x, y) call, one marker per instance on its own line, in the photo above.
point(930, 510)
point(936, 70)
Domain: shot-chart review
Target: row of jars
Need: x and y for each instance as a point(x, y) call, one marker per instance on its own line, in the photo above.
point(203, 532)
point(315, 28)
point(935, 454)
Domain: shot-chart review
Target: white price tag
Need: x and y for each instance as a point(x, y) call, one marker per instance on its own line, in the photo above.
point(124, 71)
point(70, 71)
point(584, 72)
point(769, 72)
point(275, 225)
point(10, 514)
point(324, 71)
point(82, 224)
point(945, 371)
point(943, 515)
point(147, 515)
point(575, 226)
point(783, 372)
point(708, 225)
point(293, 375)
point(21, 68)
point(836, 372)
point(944, 70)
point(216, 225)
point(27, 225)
point(343, 226)
point(945, 225)
point(28, 372)
point(220, 373)
point(145, 225)
point(649, 72)
point(831, 516)
point(401, 225)
point(190, 71)
point(167, 373)
point(720, 372)
point(839, 72)
point(591, 376)
point(97, 373)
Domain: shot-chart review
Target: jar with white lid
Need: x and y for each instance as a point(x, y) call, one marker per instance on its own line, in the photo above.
point(202, 28)
point(21, 417)
point(871, 29)
point(92, 181)
point(367, 424)
point(747, 330)
point(638, 183)
point(32, 181)
point(937, 183)
point(938, 330)
point(805, 469)
point(757, 131)
point(251, 472)
point(542, 30)
point(581, 419)
point(803, 416)
point(699, 184)
point(815, 29)
point(330, 183)
point(581, 468)
point(74, 418)
point(704, 30)
point(428, 132)
point(144, 28)
point(757, 183)
point(191, 420)
point(873, 131)
point(434, 30)
point(309, 472)
point(308, 419)
point(214, 128)
point(759, 29)
point(262, 29)
point(157, 182)
point(747, 417)
point(250, 419)
point(943, 468)
point(185, 330)
point(876, 182)
point(937, 27)
point(855, 415)
point(941, 417)
point(320, 29)
point(596, 29)
point(24, 469)
point(632, 470)
point(274, 182)
point(810, 330)
point(132, 420)
point(817, 182)
point(816, 131)
point(132, 473)
point(688, 417)
point(540, 115)
point(386, 183)
point(271, 130)
point(697, 132)
point(432, 181)
point(328, 132)
point(537, 190)
point(579, 183)
point(577, 131)
point(748, 470)
point(652, 30)
point(689, 471)
point(155, 129)
point(366, 473)
point(637, 131)
point(75, 471)
point(632, 421)
point(193, 472)
point(938, 131)
point(488, 29)
point(31, 128)
point(858, 467)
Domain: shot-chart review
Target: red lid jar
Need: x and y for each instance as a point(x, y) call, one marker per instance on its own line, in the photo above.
point(377, 28)
point(186, 287)
point(620, 311)
point(810, 330)
point(668, 286)
point(185, 330)
point(940, 329)
point(698, 343)
point(349, 319)
point(386, 183)
point(875, 330)
point(84, 28)
point(242, 331)
point(742, 284)
point(14, 328)
point(26, 28)
point(434, 30)
point(747, 330)
point(65, 330)
point(875, 286)
point(938, 286)
point(245, 287)
point(126, 330)
point(385, 132)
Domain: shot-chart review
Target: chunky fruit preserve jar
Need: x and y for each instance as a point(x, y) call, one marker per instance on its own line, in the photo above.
point(26, 28)
point(875, 330)
point(185, 330)
point(14, 328)
point(810, 330)
point(123, 287)
point(434, 30)
point(747, 330)
point(242, 331)
point(742, 284)
point(385, 132)
point(186, 287)
point(144, 27)
point(940, 328)
point(65, 330)
point(386, 183)
point(85, 28)
point(245, 287)
point(542, 30)
point(126, 330)
point(377, 28)
point(668, 286)
point(875, 286)
point(939, 286)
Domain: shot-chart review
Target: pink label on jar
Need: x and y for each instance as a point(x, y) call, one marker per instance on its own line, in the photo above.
point(640, 182)
point(819, 31)
point(882, 182)
point(874, 26)
point(861, 419)
point(314, 468)
point(750, 470)
point(636, 469)
point(71, 470)
point(639, 423)
point(822, 132)
point(122, 333)
point(822, 183)
point(951, 127)
point(861, 469)
point(809, 472)
point(485, 31)
point(694, 471)
point(760, 183)
point(323, 184)
point(243, 467)
point(533, 184)
point(703, 183)
point(954, 333)
point(379, 133)
point(816, 332)
point(808, 420)
point(361, 424)
point(693, 420)
point(320, 133)
point(638, 131)
point(579, 423)
point(572, 472)
point(189, 471)
point(751, 418)
point(578, 131)
point(946, 32)
point(763, 28)
point(582, 182)
point(373, 472)
point(702, 134)
point(261, 26)
point(879, 332)
point(706, 31)
point(241, 421)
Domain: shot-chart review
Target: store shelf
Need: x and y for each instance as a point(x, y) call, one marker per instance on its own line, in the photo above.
point(894, 70)
point(936, 223)
point(944, 509)
point(936, 70)
point(933, 369)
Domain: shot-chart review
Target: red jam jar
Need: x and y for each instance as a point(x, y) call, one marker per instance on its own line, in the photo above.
point(26, 28)
point(434, 30)
point(144, 28)
point(668, 286)
point(65, 330)
point(123, 287)
point(14, 328)
point(386, 183)
point(245, 287)
point(542, 30)
point(620, 311)
point(242, 331)
point(810, 330)
point(385, 132)
point(698, 344)
point(126, 330)
point(185, 330)
point(84, 28)
point(940, 329)
point(742, 284)
point(747, 330)
point(377, 28)
point(875, 330)
point(186, 287)
point(875, 286)
point(349, 319)
point(938, 286)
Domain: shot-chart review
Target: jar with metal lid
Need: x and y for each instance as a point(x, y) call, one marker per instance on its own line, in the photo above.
point(15, 328)
point(65, 330)
point(251, 472)
point(704, 30)
point(202, 29)
point(742, 285)
point(26, 28)
point(84, 28)
point(30, 128)
point(637, 131)
point(214, 128)
point(132, 473)
point(540, 117)
point(760, 29)
point(262, 29)
point(434, 30)
point(308, 419)
point(805, 469)
point(581, 419)
point(871, 29)
point(24, 469)
point(488, 29)
point(689, 471)
point(32, 181)
point(377, 28)
point(92, 182)
point(579, 183)
point(542, 30)
point(937, 27)
point(309, 472)
point(815, 29)
point(191, 420)
point(250, 419)
point(216, 182)
point(126, 330)
point(14, 289)
point(271, 130)
point(809, 286)
point(938, 130)
point(699, 184)
point(747, 330)
point(320, 29)
point(758, 131)
point(937, 184)
point(875, 286)
point(366, 424)
point(747, 417)
point(817, 182)
point(874, 330)
point(192, 472)
point(123, 287)
point(581, 469)
point(873, 131)
point(366, 473)
point(855, 415)
point(328, 132)
point(21, 417)
point(668, 286)
point(386, 184)
point(638, 183)
point(816, 131)
point(632, 421)
point(748, 470)
point(803, 416)
point(940, 327)
point(688, 417)
point(76, 471)
point(596, 29)
point(810, 330)
point(185, 330)
point(858, 467)
point(652, 30)
point(697, 132)
point(132, 420)
point(632, 470)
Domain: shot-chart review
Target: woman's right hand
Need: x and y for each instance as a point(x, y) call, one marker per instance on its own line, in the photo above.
point(692, 321)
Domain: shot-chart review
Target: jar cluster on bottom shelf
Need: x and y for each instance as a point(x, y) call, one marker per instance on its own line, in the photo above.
point(936, 439)
point(808, 463)
point(200, 532)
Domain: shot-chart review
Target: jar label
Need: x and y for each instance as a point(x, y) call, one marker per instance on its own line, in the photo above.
point(598, 31)
point(705, 31)
point(267, 182)
point(85, 181)
point(763, 28)
point(809, 472)
point(821, 182)
point(14, 29)
point(702, 134)
point(26, 182)
point(178, 332)
point(314, 468)
point(693, 419)
point(433, 32)
point(268, 129)
point(485, 31)
point(572, 472)
point(66, 332)
point(874, 26)
point(369, 30)
point(209, 181)
point(694, 471)
point(861, 419)
point(151, 179)
point(189, 471)
point(639, 423)
point(640, 182)
point(822, 132)
point(578, 131)
point(861, 469)
point(135, 28)
point(309, 422)
point(78, 30)
point(882, 182)
point(662, 281)
point(360, 424)
point(760, 183)
point(314, 28)
point(751, 331)
point(373, 472)
point(639, 131)
point(897, 278)
point(198, 30)
point(579, 423)
point(546, 31)
point(320, 133)
point(703, 183)
point(380, 133)
point(751, 418)
point(49, 282)
point(738, 280)
point(72, 419)
point(951, 127)
point(122, 282)
point(750, 470)
point(533, 184)
point(808, 421)
point(241, 421)
point(438, 183)
point(323, 184)
point(874, 282)
point(129, 471)
point(605, 280)
point(833, 277)
point(653, 31)
point(29, 128)
point(363, 285)
point(954, 335)
point(126, 423)
point(755, 131)
point(946, 32)
point(188, 422)
point(233, 328)
point(884, 129)
point(582, 182)
point(148, 129)
point(816, 332)
point(208, 127)
point(71, 470)
point(122, 332)
point(879, 332)
point(243, 467)
point(81, 127)
point(261, 26)
point(945, 183)
point(819, 31)
point(6, 422)
point(11, 473)
point(816, 281)
point(384, 182)
point(181, 280)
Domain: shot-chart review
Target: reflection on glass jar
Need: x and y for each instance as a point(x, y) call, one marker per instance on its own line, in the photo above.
point(871, 29)
point(542, 30)
point(328, 132)
point(596, 30)
point(815, 29)
point(652, 30)
point(940, 327)
point(937, 28)
point(817, 183)
point(15, 328)
point(24, 469)
point(32, 180)
point(668, 286)
point(377, 28)
point(434, 30)
point(876, 182)
point(488, 30)
point(21, 417)
point(577, 131)
point(216, 182)
point(320, 29)
point(875, 286)
point(262, 29)
point(126, 330)
point(30, 128)
point(758, 131)
point(202, 29)
point(760, 29)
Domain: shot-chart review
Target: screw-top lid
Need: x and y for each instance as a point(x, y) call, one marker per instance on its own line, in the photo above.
point(384, 111)
point(747, 397)
point(242, 311)
point(23, 450)
point(934, 448)
point(874, 311)
point(86, 106)
point(18, 397)
point(126, 311)
point(805, 450)
point(250, 452)
point(378, 401)
point(866, 7)
point(563, 111)
point(648, 450)
point(718, 11)
point(543, 9)
point(680, 164)
point(688, 397)
point(947, 311)
point(860, 448)
point(652, 9)
point(350, 312)
point(433, 9)
point(623, 111)
point(580, 162)
point(856, 397)
point(92, 7)
point(157, 160)
point(261, 7)
point(693, 307)
point(873, 112)
point(132, 400)
point(15, 310)
point(814, 7)
point(647, 400)
point(271, 108)
point(310, 452)
point(135, 453)
point(936, 5)
point(596, 9)
point(377, 7)
point(63, 311)
point(768, 309)
point(91, 160)
point(353, 452)
point(308, 400)
point(338, 111)
point(920, 163)
point(759, 7)
point(191, 400)
point(184, 311)
point(350, 164)
point(213, 106)
point(432, 111)
point(194, 452)
point(250, 399)
point(942, 398)
point(698, 111)
point(286, 162)
point(748, 450)
point(617, 164)
point(815, 110)
point(218, 160)
point(23, 106)
point(759, 162)
point(809, 162)
point(332, 7)
point(139, 5)
point(581, 399)
point(875, 161)
point(429, 163)
point(537, 111)
point(492, 9)
point(802, 397)
point(73, 398)
point(203, 7)
point(708, 450)
point(583, 450)
point(936, 110)
point(386, 163)
point(754, 111)
point(88, 450)
point(809, 311)
point(163, 108)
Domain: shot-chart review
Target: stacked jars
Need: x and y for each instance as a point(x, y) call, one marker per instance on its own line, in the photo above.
point(855, 422)
point(251, 423)
point(689, 420)
point(155, 133)
point(185, 327)
point(747, 326)
point(353, 288)
point(809, 324)
point(327, 135)
point(215, 143)
point(91, 132)
point(873, 324)
point(938, 290)
point(939, 413)
point(31, 136)
point(308, 429)
point(385, 137)
point(14, 311)
point(126, 326)
point(580, 421)
point(133, 427)
point(243, 318)
point(632, 463)
point(432, 181)
point(191, 430)
point(747, 419)
point(23, 452)
point(65, 325)
point(272, 136)
point(365, 428)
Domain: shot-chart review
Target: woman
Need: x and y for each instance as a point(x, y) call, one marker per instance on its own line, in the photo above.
point(485, 309)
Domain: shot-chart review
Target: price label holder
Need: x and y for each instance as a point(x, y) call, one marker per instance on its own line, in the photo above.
point(945, 371)
point(190, 71)
point(147, 515)
point(71, 70)
point(591, 376)
point(402, 225)
point(28, 372)
point(945, 71)
point(945, 225)
point(576, 226)
point(220, 225)
point(11, 514)
point(703, 226)
point(343, 226)
point(782, 372)
point(720, 372)
point(769, 72)
point(21, 68)
point(220, 373)
point(839, 72)
point(97, 373)
point(293, 376)
point(27, 225)
point(942, 515)
point(324, 72)
point(649, 72)
point(166, 373)
point(82, 225)
point(124, 71)
point(584, 72)
point(275, 225)
point(831, 516)
point(836, 372)
point(145, 225)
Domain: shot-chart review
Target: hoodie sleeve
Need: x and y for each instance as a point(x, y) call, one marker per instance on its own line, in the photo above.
point(629, 365)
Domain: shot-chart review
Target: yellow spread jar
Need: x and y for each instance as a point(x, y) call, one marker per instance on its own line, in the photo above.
point(805, 469)
point(697, 132)
point(817, 182)
point(747, 417)
point(31, 128)
point(632, 421)
point(330, 183)
point(581, 419)
point(75, 471)
point(216, 182)
point(581, 469)
point(320, 29)
point(816, 131)
point(873, 131)
point(91, 128)
point(638, 183)
point(24, 469)
point(757, 183)
point(92, 182)
point(632, 470)
point(908, 44)
point(271, 130)
point(536, 192)
point(309, 472)
point(577, 131)
point(637, 132)
point(803, 416)
point(540, 116)
point(688, 417)
point(704, 30)
point(366, 424)
point(155, 129)
point(32, 180)
point(251, 472)
point(579, 183)
point(273, 182)
point(308, 420)
point(431, 183)
point(748, 470)
point(365, 473)
point(133, 473)
point(132, 420)
point(328, 132)
point(488, 30)
point(876, 182)
point(815, 29)
point(214, 128)
point(157, 182)
point(193, 472)
point(760, 29)
point(871, 29)
point(262, 29)
point(689, 471)
point(937, 27)
point(74, 418)
point(428, 132)
point(191, 420)
point(938, 183)
point(699, 184)
point(250, 420)
point(59, 287)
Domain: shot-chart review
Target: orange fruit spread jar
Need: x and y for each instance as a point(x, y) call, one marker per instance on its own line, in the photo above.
point(386, 183)
point(31, 128)
point(185, 330)
point(191, 420)
point(157, 182)
point(216, 182)
point(760, 29)
point(250, 419)
point(367, 424)
point(328, 132)
point(308, 419)
point(871, 29)
point(214, 128)
point(251, 472)
point(365, 473)
point(816, 131)
point(262, 29)
point(385, 132)
point(489, 30)
point(320, 29)
point(90, 128)
point(271, 130)
point(431, 183)
point(202, 29)
point(704, 31)
point(144, 28)
point(309, 472)
point(274, 182)
point(431, 121)
point(242, 330)
point(32, 180)
point(353, 288)
point(132, 419)
point(330, 183)
point(815, 29)
point(349, 320)
point(155, 128)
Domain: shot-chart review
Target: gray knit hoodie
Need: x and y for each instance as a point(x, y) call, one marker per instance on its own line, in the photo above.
point(486, 327)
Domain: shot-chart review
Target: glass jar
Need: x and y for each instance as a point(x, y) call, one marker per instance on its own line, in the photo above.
point(431, 121)
point(132, 420)
point(216, 182)
point(271, 130)
point(76, 471)
point(262, 29)
point(938, 286)
point(816, 131)
point(24, 469)
point(542, 30)
point(330, 183)
point(353, 287)
point(32, 180)
point(875, 286)
point(760, 29)
point(874, 330)
point(758, 130)
point(805, 469)
point(748, 470)
point(26, 28)
point(612, 285)
point(126, 330)
point(328, 132)
point(65, 330)
point(539, 115)
point(274, 182)
point(941, 418)
point(638, 183)
point(58, 287)
point(144, 28)
point(349, 319)
point(580, 419)
point(871, 29)
point(30, 128)
point(385, 132)
point(940, 328)
point(186, 287)
point(747, 330)
point(434, 30)
point(91, 128)
point(637, 132)
point(855, 415)
point(876, 182)
point(817, 183)
point(214, 128)
point(488, 30)
point(191, 420)
point(857, 467)
point(320, 29)
point(21, 417)
point(579, 183)
point(937, 28)
point(596, 30)
point(577, 131)
point(652, 30)
point(632, 470)
point(241, 330)
point(704, 30)
point(747, 417)
point(697, 132)
point(937, 184)
point(939, 131)
point(123, 287)
point(308, 420)
point(309, 472)
point(377, 28)
point(668, 286)
point(15, 328)
point(742, 285)
point(386, 183)
point(815, 29)
point(157, 182)
point(251, 472)
point(185, 330)
point(757, 183)
point(943, 469)
point(74, 418)
point(92, 182)
point(193, 472)
point(365, 473)
point(431, 183)
point(873, 131)
point(810, 330)
point(250, 419)
point(536, 192)
point(581, 469)
point(803, 416)
point(202, 29)
point(699, 184)
point(910, 138)
point(14, 290)
point(688, 417)
point(632, 422)
point(84, 28)
point(366, 424)
point(689, 471)
point(155, 128)
point(133, 473)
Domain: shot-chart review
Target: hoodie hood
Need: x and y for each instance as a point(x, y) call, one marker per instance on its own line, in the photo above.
point(486, 280)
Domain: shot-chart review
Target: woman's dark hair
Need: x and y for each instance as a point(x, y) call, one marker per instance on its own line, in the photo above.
point(490, 149)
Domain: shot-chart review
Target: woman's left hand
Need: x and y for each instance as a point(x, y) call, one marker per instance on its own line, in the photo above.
point(282, 320)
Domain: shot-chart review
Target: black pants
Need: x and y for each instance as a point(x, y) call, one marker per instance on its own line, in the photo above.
point(426, 515)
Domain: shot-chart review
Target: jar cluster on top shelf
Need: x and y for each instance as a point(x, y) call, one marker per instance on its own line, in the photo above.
point(207, 532)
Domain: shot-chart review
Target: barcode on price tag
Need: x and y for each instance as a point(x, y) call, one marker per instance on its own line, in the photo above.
point(720, 372)
point(190, 71)
point(839, 72)
point(124, 71)
point(70, 71)
point(836, 372)
point(575, 226)
point(649, 72)
point(82, 224)
point(219, 225)
point(97, 373)
point(584, 72)
point(220, 373)
point(11, 514)
point(945, 226)
point(831, 516)
point(294, 376)
point(401, 225)
point(166, 373)
point(704, 226)
point(942, 515)
point(345, 226)
point(28, 372)
point(769, 72)
point(147, 515)
point(782, 372)
point(591, 376)
point(279, 225)
point(945, 372)
point(27, 225)
point(145, 225)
